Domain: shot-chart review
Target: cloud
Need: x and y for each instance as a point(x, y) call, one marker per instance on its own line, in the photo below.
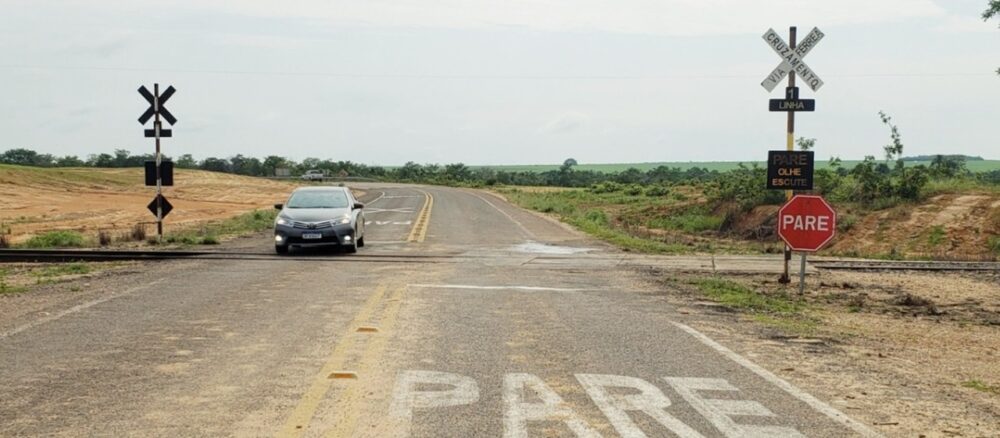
point(565, 123)
point(960, 24)
point(658, 17)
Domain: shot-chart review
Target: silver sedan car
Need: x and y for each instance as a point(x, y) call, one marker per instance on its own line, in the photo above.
point(320, 216)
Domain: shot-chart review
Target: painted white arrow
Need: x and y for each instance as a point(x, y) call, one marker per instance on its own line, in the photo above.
point(792, 59)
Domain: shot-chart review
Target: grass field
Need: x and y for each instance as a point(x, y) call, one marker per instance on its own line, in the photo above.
point(975, 166)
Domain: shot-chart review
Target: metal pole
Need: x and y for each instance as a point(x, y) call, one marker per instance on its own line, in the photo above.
point(790, 145)
point(802, 275)
point(159, 181)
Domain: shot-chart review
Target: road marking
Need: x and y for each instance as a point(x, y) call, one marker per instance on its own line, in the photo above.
point(391, 210)
point(616, 396)
point(297, 423)
point(524, 229)
point(552, 407)
point(461, 390)
point(719, 412)
point(649, 400)
point(74, 309)
point(380, 196)
point(475, 287)
point(348, 408)
point(419, 231)
point(805, 397)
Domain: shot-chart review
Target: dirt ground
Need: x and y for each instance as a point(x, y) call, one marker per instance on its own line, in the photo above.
point(950, 226)
point(88, 200)
point(913, 354)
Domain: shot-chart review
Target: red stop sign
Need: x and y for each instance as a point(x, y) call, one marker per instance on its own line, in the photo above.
point(806, 223)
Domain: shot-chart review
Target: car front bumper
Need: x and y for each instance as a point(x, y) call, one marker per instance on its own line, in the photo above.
point(285, 235)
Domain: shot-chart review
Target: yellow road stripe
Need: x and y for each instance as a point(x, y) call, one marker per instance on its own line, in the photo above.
point(419, 231)
point(297, 423)
point(349, 407)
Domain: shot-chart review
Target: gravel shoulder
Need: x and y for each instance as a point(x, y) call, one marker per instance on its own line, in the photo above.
point(913, 354)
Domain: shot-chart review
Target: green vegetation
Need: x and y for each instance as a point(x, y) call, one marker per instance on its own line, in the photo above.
point(981, 386)
point(51, 273)
point(936, 236)
point(56, 239)
point(5, 287)
point(994, 244)
point(694, 221)
point(210, 234)
point(777, 310)
point(738, 296)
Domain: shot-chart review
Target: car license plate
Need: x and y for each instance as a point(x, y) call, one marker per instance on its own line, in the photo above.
point(312, 235)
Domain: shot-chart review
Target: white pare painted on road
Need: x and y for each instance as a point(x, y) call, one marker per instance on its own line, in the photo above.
point(475, 287)
point(649, 400)
point(719, 412)
point(518, 413)
point(805, 397)
point(461, 390)
point(528, 400)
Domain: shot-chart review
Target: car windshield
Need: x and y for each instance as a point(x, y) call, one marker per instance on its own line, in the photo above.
point(318, 199)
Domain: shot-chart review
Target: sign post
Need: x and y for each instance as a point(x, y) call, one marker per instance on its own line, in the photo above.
point(806, 223)
point(791, 65)
point(160, 206)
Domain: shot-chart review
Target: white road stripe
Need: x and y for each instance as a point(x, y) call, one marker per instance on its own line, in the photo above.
point(380, 196)
point(476, 287)
point(526, 231)
point(805, 397)
point(74, 309)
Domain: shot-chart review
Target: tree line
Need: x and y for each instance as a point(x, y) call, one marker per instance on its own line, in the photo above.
point(449, 174)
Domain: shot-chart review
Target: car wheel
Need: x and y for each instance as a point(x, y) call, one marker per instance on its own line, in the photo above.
point(281, 249)
point(361, 242)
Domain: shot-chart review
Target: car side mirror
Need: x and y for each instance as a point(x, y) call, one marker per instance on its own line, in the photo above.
point(358, 206)
point(278, 206)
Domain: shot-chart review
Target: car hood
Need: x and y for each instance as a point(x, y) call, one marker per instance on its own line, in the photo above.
point(314, 214)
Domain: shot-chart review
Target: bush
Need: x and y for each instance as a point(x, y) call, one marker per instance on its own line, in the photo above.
point(104, 237)
point(633, 190)
point(994, 244)
point(597, 216)
point(139, 232)
point(846, 222)
point(606, 187)
point(745, 186)
point(56, 239)
point(657, 191)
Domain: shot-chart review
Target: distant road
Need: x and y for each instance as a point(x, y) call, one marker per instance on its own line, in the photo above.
point(506, 343)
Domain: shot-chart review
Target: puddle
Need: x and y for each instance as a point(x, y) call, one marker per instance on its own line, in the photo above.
point(541, 248)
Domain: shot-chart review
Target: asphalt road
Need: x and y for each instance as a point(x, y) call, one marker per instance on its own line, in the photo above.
point(527, 330)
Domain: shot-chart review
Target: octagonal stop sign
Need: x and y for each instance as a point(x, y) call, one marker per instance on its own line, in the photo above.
point(806, 223)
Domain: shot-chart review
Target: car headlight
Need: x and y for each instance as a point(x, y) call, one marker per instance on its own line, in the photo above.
point(282, 221)
point(344, 220)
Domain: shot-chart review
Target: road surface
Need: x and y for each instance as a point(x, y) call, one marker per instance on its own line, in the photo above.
point(520, 327)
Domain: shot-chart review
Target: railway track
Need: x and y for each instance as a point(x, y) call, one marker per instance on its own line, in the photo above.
point(74, 255)
point(64, 256)
point(897, 265)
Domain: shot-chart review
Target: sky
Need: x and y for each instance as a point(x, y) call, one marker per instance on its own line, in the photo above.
point(494, 82)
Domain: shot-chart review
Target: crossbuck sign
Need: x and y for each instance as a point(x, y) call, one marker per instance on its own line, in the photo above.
point(791, 59)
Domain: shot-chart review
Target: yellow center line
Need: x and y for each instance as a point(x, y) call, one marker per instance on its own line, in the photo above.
point(419, 231)
point(297, 423)
point(348, 408)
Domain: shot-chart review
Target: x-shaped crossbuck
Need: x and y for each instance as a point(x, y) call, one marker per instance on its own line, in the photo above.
point(791, 59)
point(156, 105)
